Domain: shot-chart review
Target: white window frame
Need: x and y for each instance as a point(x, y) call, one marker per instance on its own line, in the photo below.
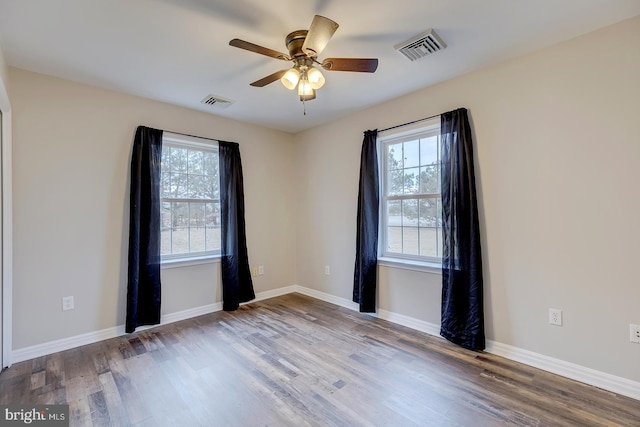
point(423, 129)
point(189, 258)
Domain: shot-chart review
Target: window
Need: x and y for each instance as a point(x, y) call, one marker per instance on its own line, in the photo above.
point(190, 198)
point(411, 219)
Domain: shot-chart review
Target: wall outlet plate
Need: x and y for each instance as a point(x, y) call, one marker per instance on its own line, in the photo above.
point(67, 303)
point(634, 333)
point(555, 316)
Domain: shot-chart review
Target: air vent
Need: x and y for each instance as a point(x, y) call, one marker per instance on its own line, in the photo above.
point(216, 101)
point(420, 46)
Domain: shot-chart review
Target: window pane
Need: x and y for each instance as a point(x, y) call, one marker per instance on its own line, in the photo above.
point(410, 241)
point(394, 226)
point(197, 239)
point(180, 240)
point(179, 185)
point(212, 212)
point(428, 241)
point(439, 236)
point(394, 239)
point(394, 156)
point(179, 214)
point(211, 171)
point(394, 213)
point(213, 239)
point(429, 150)
point(196, 227)
point(210, 163)
point(197, 186)
point(429, 180)
point(410, 227)
point(430, 228)
point(410, 213)
point(178, 160)
point(212, 215)
point(210, 187)
point(411, 154)
point(166, 157)
point(165, 241)
point(165, 175)
point(427, 227)
point(196, 162)
point(395, 182)
point(428, 213)
point(196, 214)
point(165, 228)
point(165, 215)
point(165, 183)
point(410, 180)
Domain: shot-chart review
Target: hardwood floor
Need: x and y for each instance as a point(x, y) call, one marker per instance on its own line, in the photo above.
point(297, 361)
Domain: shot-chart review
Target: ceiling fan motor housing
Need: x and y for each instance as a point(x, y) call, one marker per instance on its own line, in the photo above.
point(294, 42)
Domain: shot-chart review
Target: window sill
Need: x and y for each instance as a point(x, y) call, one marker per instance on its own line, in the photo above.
point(186, 262)
point(406, 264)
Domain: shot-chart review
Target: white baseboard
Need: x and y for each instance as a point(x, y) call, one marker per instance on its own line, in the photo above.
point(583, 374)
point(580, 373)
point(38, 350)
point(342, 302)
point(399, 319)
point(410, 322)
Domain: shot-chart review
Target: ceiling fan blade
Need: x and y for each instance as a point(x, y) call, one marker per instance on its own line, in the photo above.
point(318, 36)
point(362, 65)
point(259, 49)
point(269, 79)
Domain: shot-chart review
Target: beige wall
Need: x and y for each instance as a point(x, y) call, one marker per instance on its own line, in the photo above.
point(72, 146)
point(557, 155)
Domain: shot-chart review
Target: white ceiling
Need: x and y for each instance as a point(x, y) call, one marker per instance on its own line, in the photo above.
point(177, 50)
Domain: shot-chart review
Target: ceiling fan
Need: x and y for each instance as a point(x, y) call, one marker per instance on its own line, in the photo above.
point(304, 47)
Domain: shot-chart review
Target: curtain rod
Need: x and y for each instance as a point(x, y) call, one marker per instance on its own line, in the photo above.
point(409, 123)
point(192, 136)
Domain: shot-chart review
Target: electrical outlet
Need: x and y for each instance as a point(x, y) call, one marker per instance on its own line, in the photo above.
point(67, 303)
point(555, 317)
point(254, 271)
point(327, 270)
point(261, 270)
point(634, 333)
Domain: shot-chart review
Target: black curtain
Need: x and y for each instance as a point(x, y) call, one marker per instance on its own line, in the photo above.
point(143, 286)
point(366, 268)
point(237, 285)
point(462, 301)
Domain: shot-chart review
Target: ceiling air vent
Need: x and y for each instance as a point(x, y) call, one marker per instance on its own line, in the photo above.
point(420, 46)
point(216, 101)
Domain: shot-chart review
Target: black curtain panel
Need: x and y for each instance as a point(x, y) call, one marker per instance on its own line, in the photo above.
point(237, 286)
point(462, 301)
point(366, 267)
point(143, 287)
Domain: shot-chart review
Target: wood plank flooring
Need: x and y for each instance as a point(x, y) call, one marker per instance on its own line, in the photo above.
point(297, 361)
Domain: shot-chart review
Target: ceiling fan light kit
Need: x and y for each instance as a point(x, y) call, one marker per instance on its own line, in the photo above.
point(290, 78)
point(304, 47)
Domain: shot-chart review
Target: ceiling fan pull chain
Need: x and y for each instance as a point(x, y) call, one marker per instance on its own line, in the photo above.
point(304, 108)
